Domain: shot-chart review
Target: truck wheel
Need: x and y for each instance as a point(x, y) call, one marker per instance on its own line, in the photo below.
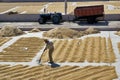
point(91, 20)
point(41, 21)
point(55, 19)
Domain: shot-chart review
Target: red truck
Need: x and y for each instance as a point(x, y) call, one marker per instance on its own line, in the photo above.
point(90, 13)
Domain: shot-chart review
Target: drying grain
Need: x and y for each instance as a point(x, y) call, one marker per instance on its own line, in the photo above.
point(3, 40)
point(34, 30)
point(91, 30)
point(92, 49)
point(118, 33)
point(22, 50)
point(62, 33)
point(68, 33)
point(20, 72)
point(10, 30)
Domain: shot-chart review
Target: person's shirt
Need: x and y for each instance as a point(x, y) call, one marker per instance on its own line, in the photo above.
point(49, 45)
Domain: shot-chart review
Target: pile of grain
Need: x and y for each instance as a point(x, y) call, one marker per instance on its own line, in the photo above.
point(10, 30)
point(90, 30)
point(68, 33)
point(118, 33)
point(62, 33)
point(34, 30)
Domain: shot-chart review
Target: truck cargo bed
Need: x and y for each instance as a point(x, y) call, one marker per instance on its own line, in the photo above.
point(97, 10)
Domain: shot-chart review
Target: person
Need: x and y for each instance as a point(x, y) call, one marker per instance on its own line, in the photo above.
point(44, 10)
point(50, 47)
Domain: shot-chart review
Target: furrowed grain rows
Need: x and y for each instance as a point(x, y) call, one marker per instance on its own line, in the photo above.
point(23, 49)
point(20, 72)
point(110, 51)
point(3, 40)
point(91, 49)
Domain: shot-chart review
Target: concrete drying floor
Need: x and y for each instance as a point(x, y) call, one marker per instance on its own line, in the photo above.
point(115, 39)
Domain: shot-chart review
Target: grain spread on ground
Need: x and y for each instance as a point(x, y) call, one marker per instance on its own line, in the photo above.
point(20, 72)
point(118, 33)
point(92, 49)
point(3, 40)
point(119, 46)
point(62, 33)
point(34, 30)
point(110, 7)
point(68, 33)
point(10, 30)
point(23, 50)
point(90, 30)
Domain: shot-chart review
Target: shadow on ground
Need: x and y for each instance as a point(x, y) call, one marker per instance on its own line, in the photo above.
point(99, 23)
point(54, 65)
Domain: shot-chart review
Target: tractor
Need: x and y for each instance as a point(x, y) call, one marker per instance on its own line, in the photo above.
point(54, 17)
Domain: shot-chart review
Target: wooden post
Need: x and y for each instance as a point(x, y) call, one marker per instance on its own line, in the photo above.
point(65, 7)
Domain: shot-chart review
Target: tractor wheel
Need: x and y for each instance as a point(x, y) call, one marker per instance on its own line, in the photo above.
point(55, 19)
point(41, 21)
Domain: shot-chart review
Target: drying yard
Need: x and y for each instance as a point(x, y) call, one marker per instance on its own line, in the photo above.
point(78, 55)
point(110, 7)
point(21, 8)
point(21, 72)
point(85, 58)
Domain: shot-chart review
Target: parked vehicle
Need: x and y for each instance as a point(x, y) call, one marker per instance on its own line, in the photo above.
point(54, 17)
point(90, 13)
